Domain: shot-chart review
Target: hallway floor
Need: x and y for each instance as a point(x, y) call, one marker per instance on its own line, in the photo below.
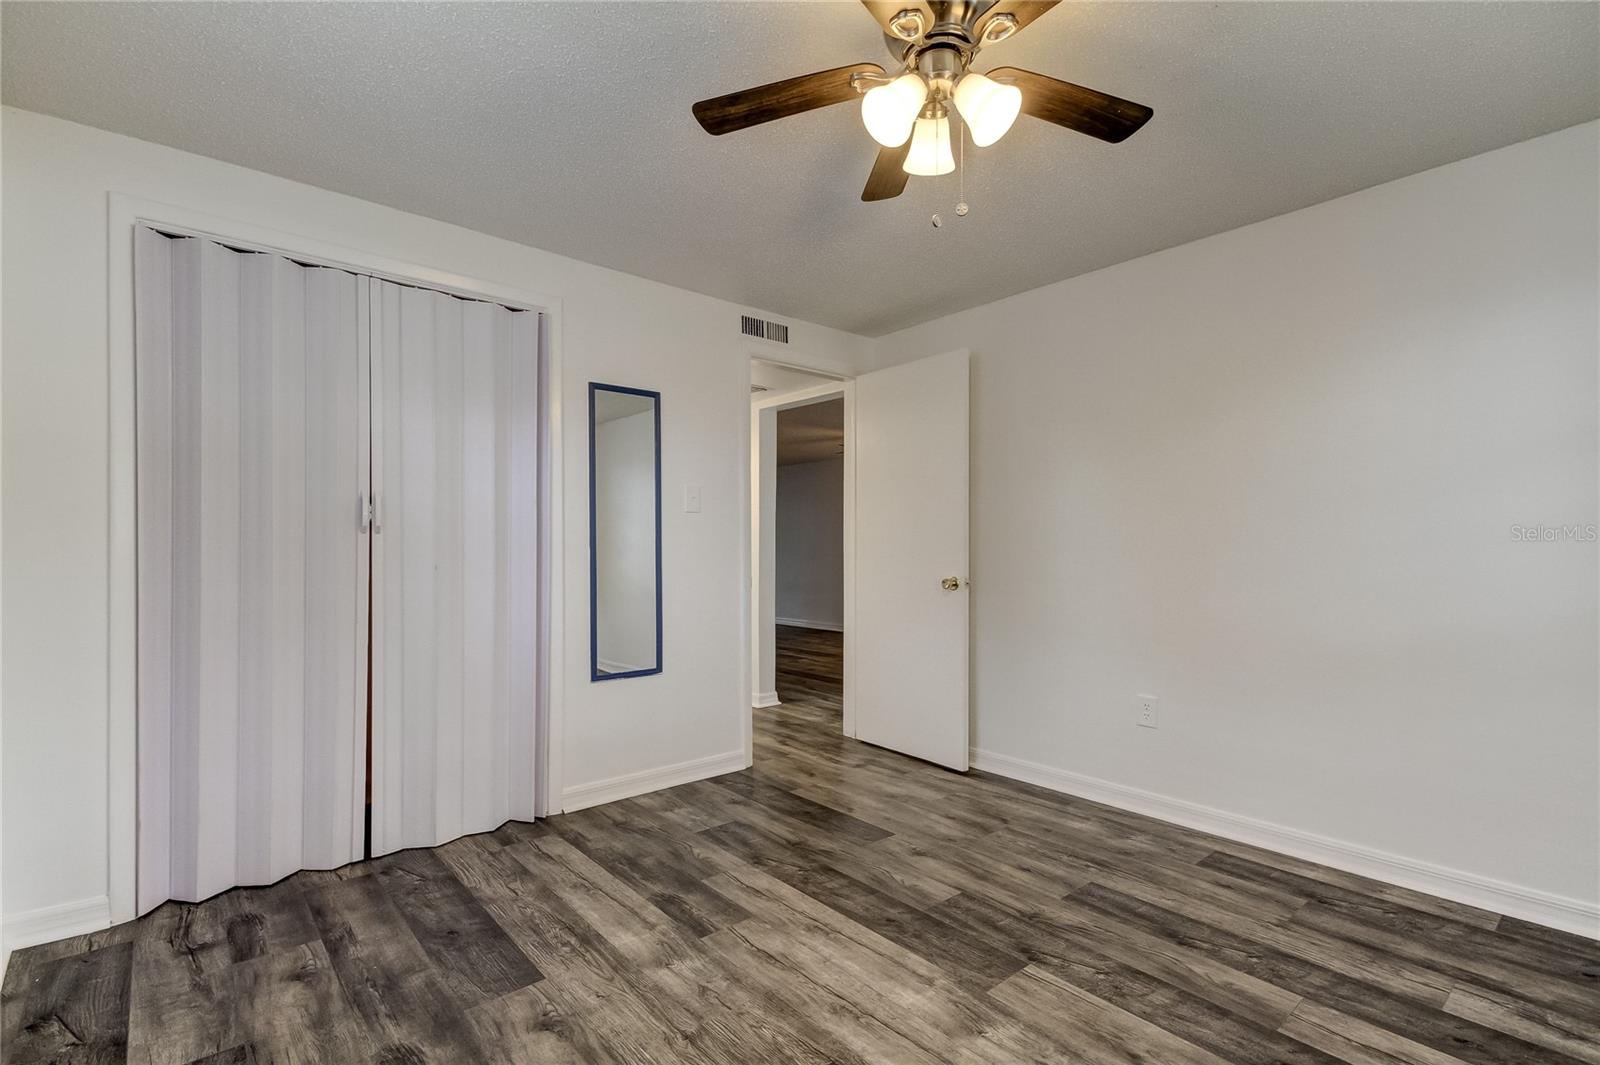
point(810, 671)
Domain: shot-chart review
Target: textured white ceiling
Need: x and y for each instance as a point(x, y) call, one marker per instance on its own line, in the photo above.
point(567, 126)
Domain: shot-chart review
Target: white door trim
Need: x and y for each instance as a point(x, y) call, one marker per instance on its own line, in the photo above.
point(785, 401)
point(124, 213)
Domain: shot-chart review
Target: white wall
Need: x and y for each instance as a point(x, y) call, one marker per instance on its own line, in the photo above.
point(1272, 477)
point(614, 328)
point(625, 542)
point(810, 544)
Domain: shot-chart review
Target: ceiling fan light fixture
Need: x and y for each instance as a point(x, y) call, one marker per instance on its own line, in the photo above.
point(930, 148)
point(988, 107)
point(889, 111)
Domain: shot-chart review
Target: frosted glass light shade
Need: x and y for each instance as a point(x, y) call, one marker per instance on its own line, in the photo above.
point(988, 106)
point(930, 148)
point(888, 111)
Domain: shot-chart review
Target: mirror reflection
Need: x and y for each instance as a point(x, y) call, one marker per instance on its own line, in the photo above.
point(624, 531)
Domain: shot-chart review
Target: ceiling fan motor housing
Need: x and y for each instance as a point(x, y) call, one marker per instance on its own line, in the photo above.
point(942, 54)
point(941, 61)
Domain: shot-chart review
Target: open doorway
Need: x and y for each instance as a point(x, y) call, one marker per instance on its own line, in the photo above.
point(905, 519)
point(808, 560)
point(801, 492)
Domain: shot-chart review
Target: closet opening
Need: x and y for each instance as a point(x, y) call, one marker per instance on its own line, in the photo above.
point(343, 573)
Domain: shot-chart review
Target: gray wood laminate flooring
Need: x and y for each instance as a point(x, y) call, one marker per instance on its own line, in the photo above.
point(837, 903)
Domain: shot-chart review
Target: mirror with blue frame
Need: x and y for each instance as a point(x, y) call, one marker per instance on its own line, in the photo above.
point(624, 532)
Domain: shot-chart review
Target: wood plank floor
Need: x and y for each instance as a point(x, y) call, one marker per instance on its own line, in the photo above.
point(810, 672)
point(837, 903)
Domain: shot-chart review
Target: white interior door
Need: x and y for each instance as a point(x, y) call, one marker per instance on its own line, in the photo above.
point(910, 670)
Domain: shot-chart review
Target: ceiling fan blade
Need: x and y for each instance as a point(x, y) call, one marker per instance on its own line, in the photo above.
point(888, 178)
point(751, 107)
point(1023, 11)
point(1073, 106)
point(883, 12)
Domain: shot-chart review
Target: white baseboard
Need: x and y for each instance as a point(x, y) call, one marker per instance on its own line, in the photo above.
point(1498, 896)
point(762, 700)
point(50, 923)
point(803, 623)
point(668, 776)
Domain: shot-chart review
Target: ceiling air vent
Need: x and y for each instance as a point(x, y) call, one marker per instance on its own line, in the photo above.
point(776, 332)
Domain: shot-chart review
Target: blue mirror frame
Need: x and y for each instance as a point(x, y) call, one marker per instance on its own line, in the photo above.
point(595, 672)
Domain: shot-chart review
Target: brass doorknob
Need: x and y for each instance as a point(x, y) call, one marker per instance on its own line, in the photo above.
point(950, 584)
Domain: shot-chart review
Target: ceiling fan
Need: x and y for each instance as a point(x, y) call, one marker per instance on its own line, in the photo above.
point(908, 112)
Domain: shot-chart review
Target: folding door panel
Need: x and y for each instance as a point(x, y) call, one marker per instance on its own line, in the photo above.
point(249, 466)
point(455, 588)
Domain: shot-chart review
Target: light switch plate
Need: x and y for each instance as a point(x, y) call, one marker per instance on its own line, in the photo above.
point(691, 499)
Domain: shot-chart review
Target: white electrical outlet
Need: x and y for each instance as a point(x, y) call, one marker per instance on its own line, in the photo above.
point(1147, 711)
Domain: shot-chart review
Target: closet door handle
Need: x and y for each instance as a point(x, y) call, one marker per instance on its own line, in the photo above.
point(377, 513)
point(370, 521)
point(363, 512)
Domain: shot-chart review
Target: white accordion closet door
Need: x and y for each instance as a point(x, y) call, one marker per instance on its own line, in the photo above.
point(251, 567)
point(455, 579)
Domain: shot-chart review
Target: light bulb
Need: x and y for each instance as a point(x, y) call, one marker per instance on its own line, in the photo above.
point(888, 111)
point(988, 106)
point(930, 148)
